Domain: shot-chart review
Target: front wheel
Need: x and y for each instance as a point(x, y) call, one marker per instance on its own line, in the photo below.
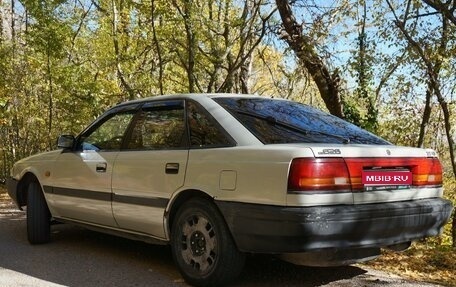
point(38, 215)
point(202, 246)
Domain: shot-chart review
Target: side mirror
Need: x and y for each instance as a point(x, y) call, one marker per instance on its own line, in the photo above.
point(65, 141)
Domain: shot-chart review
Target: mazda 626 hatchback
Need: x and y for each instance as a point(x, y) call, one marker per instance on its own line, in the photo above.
point(219, 176)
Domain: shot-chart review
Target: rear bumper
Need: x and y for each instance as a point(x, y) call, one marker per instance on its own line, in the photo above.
point(275, 229)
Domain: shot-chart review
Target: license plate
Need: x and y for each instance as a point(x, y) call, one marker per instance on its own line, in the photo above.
point(377, 180)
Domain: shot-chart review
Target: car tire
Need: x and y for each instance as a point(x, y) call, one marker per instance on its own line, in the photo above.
point(38, 215)
point(202, 246)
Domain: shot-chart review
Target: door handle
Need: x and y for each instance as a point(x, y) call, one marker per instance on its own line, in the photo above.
point(101, 167)
point(172, 168)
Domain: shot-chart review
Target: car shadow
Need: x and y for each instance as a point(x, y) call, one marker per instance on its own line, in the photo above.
point(79, 257)
point(260, 270)
point(267, 270)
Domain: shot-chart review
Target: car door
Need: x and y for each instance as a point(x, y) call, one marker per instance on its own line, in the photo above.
point(82, 177)
point(150, 167)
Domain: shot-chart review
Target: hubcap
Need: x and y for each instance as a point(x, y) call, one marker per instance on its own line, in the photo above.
point(199, 243)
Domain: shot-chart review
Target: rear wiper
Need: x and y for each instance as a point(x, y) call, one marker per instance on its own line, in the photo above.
point(273, 121)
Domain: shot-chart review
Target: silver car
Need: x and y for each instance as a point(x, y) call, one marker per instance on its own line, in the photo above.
point(218, 176)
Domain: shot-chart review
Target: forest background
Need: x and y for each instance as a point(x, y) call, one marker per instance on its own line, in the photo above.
point(385, 65)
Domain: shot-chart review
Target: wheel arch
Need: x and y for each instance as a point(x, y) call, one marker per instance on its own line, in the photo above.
point(21, 190)
point(177, 201)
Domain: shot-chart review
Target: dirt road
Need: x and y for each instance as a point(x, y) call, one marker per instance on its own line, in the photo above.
point(78, 257)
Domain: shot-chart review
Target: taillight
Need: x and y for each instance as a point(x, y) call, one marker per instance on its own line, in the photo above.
point(342, 175)
point(428, 171)
point(318, 174)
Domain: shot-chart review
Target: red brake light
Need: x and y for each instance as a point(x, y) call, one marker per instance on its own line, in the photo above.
point(428, 171)
point(318, 174)
point(342, 175)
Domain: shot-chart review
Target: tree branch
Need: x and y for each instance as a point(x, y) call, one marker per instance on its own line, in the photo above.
point(328, 83)
point(443, 8)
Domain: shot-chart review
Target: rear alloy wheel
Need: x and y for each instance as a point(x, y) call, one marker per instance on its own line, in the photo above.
point(202, 246)
point(38, 215)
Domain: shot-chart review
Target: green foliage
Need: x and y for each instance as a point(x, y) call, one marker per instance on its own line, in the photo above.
point(69, 60)
point(351, 111)
point(64, 62)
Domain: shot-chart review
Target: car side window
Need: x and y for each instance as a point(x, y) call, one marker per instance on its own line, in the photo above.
point(204, 131)
point(158, 128)
point(109, 135)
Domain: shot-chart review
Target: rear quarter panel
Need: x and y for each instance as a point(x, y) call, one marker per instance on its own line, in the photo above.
point(243, 174)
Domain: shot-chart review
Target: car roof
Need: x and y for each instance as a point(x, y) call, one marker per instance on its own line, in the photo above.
point(192, 96)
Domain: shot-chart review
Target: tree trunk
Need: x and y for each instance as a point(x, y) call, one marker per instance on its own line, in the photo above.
point(1, 22)
point(426, 117)
point(51, 100)
point(328, 83)
point(244, 75)
point(115, 38)
point(157, 47)
point(191, 45)
point(13, 24)
point(246, 36)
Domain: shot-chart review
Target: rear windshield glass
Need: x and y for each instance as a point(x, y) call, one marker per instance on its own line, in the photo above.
point(280, 121)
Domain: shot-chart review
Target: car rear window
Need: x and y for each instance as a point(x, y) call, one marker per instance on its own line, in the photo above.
point(281, 121)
